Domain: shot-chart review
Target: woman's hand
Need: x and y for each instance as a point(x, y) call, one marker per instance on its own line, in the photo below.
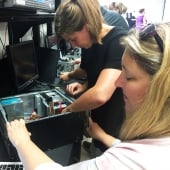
point(76, 61)
point(64, 76)
point(17, 132)
point(95, 131)
point(76, 88)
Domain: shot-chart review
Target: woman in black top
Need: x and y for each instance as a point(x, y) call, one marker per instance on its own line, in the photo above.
point(82, 24)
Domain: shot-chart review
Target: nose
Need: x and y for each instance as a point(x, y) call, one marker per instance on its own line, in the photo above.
point(119, 81)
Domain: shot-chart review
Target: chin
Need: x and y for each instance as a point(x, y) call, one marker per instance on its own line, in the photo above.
point(87, 47)
point(129, 110)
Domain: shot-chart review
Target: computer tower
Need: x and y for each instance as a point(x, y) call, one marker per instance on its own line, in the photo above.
point(51, 130)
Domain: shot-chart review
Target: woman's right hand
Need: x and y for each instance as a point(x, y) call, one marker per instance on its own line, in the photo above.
point(75, 88)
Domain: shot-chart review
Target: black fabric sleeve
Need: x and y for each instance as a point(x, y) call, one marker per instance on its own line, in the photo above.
point(114, 54)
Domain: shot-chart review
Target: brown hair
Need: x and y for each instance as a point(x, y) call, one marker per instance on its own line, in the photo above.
point(72, 15)
point(141, 10)
point(119, 7)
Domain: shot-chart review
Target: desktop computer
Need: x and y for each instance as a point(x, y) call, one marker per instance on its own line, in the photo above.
point(59, 135)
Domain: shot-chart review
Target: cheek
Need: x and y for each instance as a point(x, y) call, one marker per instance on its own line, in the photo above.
point(134, 96)
point(140, 93)
point(84, 43)
point(85, 38)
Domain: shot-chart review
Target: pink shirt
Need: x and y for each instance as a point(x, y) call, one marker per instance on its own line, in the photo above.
point(146, 154)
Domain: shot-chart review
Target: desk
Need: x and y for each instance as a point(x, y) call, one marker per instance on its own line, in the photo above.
point(19, 23)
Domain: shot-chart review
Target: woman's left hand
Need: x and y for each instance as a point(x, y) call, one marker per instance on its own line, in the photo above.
point(17, 132)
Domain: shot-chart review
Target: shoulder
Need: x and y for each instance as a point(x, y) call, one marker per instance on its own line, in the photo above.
point(115, 33)
point(139, 154)
point(120, 31)
point(115, 19)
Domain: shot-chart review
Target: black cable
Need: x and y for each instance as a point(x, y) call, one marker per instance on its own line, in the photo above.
point(3, 54)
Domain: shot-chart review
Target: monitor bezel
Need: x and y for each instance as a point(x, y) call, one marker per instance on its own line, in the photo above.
point(19, 87)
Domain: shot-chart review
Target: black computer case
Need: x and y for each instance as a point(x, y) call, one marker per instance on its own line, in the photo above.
point(49, 127)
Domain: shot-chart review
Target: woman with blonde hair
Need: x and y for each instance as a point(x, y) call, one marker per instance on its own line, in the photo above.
point(145, 134)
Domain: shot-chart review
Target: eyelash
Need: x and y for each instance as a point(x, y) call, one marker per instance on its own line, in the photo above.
point(129, 78)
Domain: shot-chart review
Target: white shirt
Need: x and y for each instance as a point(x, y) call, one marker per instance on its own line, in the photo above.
point(145, 154)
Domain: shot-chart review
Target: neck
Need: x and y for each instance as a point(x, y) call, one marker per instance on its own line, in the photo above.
point(105, 29)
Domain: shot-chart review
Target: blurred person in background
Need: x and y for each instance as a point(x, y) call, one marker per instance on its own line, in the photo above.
point(141, 20)
point(120, 8)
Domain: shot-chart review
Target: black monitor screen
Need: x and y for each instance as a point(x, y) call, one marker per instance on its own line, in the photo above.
point(23, 64)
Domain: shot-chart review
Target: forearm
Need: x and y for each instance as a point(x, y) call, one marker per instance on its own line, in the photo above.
point(32, 156)
point(99, 94)
point(87, 101)
point(77, 74)
point(109, 140)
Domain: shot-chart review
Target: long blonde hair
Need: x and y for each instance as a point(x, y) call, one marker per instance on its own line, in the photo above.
point(152, 118)
point(72, 15)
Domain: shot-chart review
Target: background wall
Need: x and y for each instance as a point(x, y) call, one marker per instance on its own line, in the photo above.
point(154, 8)
point(166, 11)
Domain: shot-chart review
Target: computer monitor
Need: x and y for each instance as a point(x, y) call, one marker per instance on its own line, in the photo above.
point(22, 64)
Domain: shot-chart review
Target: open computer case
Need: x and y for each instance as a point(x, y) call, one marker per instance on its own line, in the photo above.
point(50, 128)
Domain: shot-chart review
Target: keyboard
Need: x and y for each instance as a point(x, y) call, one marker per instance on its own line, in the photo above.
point(11, 166)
